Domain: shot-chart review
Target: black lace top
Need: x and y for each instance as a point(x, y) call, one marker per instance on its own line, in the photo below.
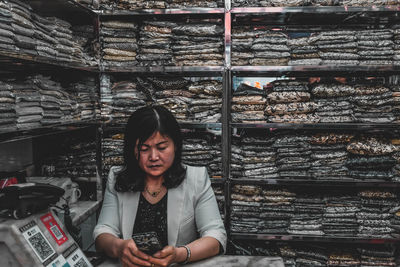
point(152, 217)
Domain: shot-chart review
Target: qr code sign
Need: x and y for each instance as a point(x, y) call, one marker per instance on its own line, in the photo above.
point(81, 263)
point(41, 246)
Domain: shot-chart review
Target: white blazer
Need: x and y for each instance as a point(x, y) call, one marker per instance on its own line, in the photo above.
point(192, 210)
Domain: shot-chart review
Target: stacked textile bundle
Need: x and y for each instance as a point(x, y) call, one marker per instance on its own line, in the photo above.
point(219, 195)
point(119, 43)
point(375, 47)
point(27, 104)
point(84, 36)
point(270, 48)
point(396, 103)
point(51, 98)
point(188, 3)
point(281, 3)
point(329, 156)
point(126, 98)
point(293, 155)
point(8, 115)
point(85, 92)
point(77, 161)
point(207, 101)
point(375, 255)
point(243, 38)
point(45, 41)
point(203, 150)
point(6, 30)
point(311, 255)
point(248, 104)
point(236, 158)
point(23, 27)
point(289, 102)
point(396, 44)
point(343, 257)
point(307, 218)
point(395, 221)
point(303, 52)
point(258, 158)
point(339, 217)
point(137, 4)
point(374, 216)
point(198, 44)
point(372, 158)
point(333, 102)
point(106, 98)
point(156, 4)
point(277, 211)
point(245, 208)
point(112, 152)
point(373, 104)
point(155, 39)
point(337, 47)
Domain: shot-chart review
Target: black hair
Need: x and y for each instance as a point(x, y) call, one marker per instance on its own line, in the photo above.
point(142, 124)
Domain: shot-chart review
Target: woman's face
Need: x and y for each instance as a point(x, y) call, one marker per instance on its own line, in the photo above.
point(156, 155)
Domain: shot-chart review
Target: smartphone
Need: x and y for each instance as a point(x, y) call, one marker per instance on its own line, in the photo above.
point(148, 242)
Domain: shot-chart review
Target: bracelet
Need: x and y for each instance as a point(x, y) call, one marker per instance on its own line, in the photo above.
point(189, 253)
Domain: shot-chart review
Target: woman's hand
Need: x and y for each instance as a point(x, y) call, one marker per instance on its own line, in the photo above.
point(165, 257)
point(130, 255)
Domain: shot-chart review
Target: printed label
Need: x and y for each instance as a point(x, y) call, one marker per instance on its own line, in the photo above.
point(78, 259)
point(37, 241)
point(59, 262)
point(54, 229)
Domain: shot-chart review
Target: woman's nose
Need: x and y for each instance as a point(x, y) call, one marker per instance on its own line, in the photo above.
point(154, 155)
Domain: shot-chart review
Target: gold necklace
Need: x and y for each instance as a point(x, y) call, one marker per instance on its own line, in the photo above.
point(153, 194)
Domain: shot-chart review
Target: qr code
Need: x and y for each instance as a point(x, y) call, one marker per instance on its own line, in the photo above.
point(56, 232)
point(81, 263)
point(41, 246)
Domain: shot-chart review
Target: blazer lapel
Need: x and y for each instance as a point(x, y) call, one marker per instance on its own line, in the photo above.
point(130, 203)
point(174, 212)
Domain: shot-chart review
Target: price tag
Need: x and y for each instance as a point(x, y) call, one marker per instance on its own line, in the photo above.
point(54, 229)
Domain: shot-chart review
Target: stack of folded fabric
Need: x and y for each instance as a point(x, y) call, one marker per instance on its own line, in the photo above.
point(245, 208)
point(23, 27)
point(270, 48)
point(337, 47)
point(77, 161)
point(126, 98)
point(139, 4)
point(395, 221)
point(8, 116)
point(112, 152)
point(373, 104)
point(106, 98)
point(339, 218)
point(119, 43)
point(220, 196)
point(396, 103)
point(258, 158)
point(375, 47)
point(108, 4)
point(248, 104)
point(188, 3)
point(311, 255)
point(242, 41)
point(375, 255)
point(288, 254)
point(307, 218)
point(155, 39)
point(371, 158)
point(374, 216)
point(302, 52)
point(344, 257)
point(277, 210)
point(45, 41)
point(203, 150)
point(396, 44)
point(367, 2)
point(293, 155)
point(51, 98)
point(289, 102)
point(329, 156)
point(333, 102)
point(84, 36)
point(207, 102)
point(86, 95)
point(6, 30)
point(236, 159)
point(198, 44)
point(177, 101)
point(27, 104)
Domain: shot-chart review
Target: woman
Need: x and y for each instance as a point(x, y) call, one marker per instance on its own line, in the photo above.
point(155, 192)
